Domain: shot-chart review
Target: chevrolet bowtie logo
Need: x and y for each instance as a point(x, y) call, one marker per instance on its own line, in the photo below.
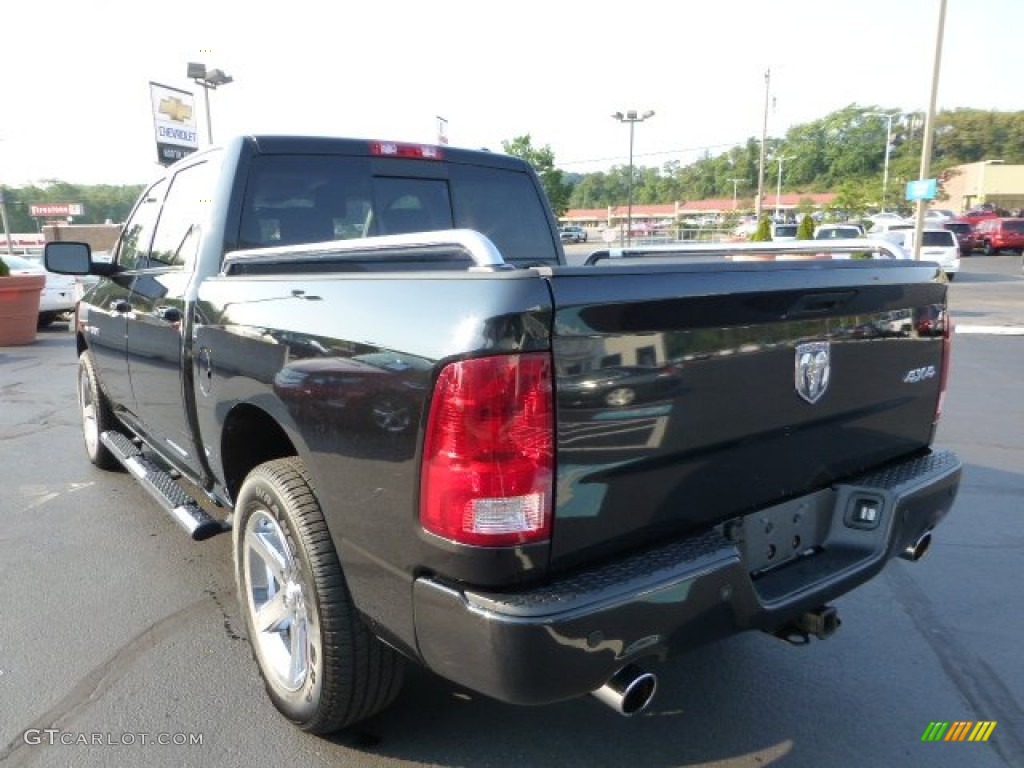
point(175, 109)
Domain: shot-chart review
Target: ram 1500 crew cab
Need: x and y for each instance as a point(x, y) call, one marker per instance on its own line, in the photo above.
point(435, 442)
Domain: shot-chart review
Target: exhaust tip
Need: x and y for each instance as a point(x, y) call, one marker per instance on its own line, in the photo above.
point(629, 691)
point(919, 548)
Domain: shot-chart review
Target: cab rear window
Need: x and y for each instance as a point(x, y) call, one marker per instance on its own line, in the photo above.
point(308, 199)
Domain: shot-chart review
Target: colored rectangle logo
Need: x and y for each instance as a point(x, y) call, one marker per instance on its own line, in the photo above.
point(959, 730)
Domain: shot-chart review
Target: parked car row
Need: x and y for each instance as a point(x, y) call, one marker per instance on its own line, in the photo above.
point(982, 229)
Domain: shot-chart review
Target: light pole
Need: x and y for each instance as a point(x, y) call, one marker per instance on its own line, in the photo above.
point(735, 182)
point(632, 118)
point(888, 116)
point(209, 79)
point(759, 204)
point(778, 189)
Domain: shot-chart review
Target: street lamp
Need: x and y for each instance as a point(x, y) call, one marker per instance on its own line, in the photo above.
point(632, 118)
point(778, 189)
point(735, 183)
point(759, 203)
point(209, 79)
point(888, 116)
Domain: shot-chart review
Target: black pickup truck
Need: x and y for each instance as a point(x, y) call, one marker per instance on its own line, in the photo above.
point(435, 441)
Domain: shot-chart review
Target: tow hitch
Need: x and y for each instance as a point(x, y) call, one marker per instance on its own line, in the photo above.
point(820, 623)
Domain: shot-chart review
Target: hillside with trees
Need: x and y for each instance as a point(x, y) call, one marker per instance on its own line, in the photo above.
point(100, 203)
point(843, 153)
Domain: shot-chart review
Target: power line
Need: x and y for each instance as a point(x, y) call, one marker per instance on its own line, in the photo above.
point(652, 154)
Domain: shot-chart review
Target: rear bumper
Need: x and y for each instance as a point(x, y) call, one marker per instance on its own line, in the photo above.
point(569, 637)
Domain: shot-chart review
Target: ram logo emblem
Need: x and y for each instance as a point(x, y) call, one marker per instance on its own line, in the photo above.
point(812, 370)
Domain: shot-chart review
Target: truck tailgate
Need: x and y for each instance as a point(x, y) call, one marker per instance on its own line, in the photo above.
point(688, 394)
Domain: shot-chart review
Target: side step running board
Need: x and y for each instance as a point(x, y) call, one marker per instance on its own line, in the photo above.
point(185, 510)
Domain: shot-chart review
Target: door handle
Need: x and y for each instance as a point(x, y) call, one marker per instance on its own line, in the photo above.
point(120, 305)
point(169, 314)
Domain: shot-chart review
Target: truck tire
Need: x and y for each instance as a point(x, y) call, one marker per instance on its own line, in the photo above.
point(97, 416)
point(322, 667)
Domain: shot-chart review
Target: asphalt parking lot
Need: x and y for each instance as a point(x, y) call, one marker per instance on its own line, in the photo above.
point(116, 630)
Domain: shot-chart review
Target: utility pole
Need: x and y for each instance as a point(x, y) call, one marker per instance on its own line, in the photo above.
point(764, 138)
point(929, 128)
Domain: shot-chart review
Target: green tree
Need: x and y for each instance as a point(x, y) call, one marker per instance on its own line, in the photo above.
point(100, 203)
point(763, 233)
point(543, 161)
point(805, 231)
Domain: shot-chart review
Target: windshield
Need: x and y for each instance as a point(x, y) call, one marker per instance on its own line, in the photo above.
point(785, 230)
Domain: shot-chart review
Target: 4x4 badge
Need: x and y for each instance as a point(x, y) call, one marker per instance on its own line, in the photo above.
point(812, 370)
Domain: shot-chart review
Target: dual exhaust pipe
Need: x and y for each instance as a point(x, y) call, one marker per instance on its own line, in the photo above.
point(919, 548)
point(629, 691)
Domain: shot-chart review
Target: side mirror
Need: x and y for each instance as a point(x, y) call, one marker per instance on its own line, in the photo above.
point(67, 258)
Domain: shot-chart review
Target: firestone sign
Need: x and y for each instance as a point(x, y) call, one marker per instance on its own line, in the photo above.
point(63, 210)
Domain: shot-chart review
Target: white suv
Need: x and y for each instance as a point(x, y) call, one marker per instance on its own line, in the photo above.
point(938, 245)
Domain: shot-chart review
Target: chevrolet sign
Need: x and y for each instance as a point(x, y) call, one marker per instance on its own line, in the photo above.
point(174, 120)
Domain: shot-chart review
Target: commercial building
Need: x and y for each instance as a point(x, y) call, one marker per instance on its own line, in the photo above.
point(989, 181)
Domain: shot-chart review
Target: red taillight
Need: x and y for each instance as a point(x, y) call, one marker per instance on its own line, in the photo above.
point(488, 455)
point(947, 346)
point(397, 149)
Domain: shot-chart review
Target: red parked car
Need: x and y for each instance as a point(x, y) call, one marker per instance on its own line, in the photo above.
point(965, 236)
point(995, 235)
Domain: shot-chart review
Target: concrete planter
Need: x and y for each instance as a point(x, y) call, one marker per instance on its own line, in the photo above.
point(19, 308)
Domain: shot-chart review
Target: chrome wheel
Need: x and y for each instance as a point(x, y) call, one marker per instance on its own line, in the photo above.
point(97, 417)
point(282, 610)
point(620, 397)
point(87, 407)
point(323, 667)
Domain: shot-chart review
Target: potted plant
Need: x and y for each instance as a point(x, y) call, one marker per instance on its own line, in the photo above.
point(19, 306)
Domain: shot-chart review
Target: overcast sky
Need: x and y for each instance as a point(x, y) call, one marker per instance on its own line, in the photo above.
point(77, 98)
